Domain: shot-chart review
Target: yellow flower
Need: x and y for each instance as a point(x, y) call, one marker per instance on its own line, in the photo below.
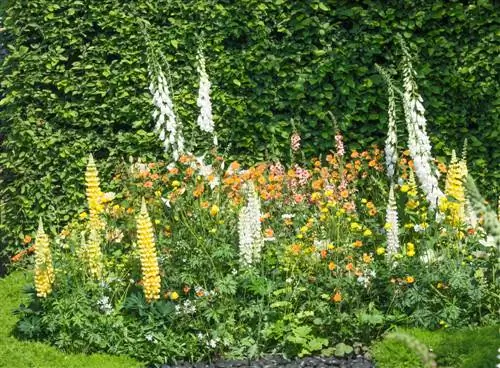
point(83, 215)
point(410, 279)
point(149, 263)
point(405, 188)
point(94, 195)
point(174, 295)
point(367, 232)
point(380, 250)
point(176, 183)
point(93, 254)
point(355, 226)
point(388, 226)
point(44, 271)
point(214, 210)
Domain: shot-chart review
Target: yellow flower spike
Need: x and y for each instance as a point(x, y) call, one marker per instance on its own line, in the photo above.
point(93, 254)
point(94, 195)
point(147, 252)
point(454, 188)
point(44, 271)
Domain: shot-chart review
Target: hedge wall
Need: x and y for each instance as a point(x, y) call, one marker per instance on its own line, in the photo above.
point(75, 81)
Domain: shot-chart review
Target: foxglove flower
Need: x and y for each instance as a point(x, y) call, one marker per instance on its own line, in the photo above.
point(44, 270)
point(391, 224)
point(339, 142)
point(418, 140)
point(205, 119)
point(251, 240)
point(167, 127)
point(295, 142)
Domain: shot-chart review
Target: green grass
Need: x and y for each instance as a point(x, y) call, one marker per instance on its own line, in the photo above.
point(465, 348)
point(23, 354)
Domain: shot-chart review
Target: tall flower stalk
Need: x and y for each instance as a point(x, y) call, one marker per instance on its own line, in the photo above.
point(391, 142)
point(44, 270)
point(205, 119)
point(454, 190)
point(418, 140)
point(147, 251)
point(391, 224)
point(94, 195)
point(93, 255)
point(251, 240)
point(167, 127)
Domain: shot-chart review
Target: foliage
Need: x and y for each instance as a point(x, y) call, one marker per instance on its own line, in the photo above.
point(75, 81)
point(17, 354)
point(462, 348)
point(323, 284)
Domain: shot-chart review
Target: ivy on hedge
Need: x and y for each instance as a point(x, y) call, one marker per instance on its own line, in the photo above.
point(75, 81)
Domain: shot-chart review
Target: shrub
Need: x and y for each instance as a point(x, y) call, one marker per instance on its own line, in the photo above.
point(75, 82)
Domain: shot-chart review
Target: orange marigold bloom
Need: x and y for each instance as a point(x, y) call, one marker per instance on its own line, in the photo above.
point(349, 266)
point(367, 258)
point(269, 233)
point(323, 253)
point(344, 194)
point(27, 239)
point(331, 266)
point(357, 244)
point(337, 298)
point(354, 154)
point(410, 279)
point(317, 184)
point(295, 248)
point(372, 163)
point(148, 184)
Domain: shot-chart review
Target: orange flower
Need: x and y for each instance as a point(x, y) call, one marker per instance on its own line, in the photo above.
point(337, 298)
point(298, 198)
point(349, 266)
point(367, 258)
point(410, 279)
point(186, 289)
point(155, 176)
point(269, 233)
point(27, 239)
point(344, 194)
point(354, 154)
point(295, 249)
point(234, 166)
point(372, 163)
point(317, 184)
point(148, 184)
point(173, 171)
point(331, 266)
point(204, 204)
point(323, 253)
point(357, 244)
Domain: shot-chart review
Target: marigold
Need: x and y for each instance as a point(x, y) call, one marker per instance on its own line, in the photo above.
point(337, 297)
point(331, 266)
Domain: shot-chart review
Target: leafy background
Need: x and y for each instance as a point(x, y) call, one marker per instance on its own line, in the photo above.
point(75, 81)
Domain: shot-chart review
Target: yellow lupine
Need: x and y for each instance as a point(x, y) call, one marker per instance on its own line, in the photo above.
point(94, 195)
point(454, 188)
point(149, 263)
point(44, 270)
point(93, 254)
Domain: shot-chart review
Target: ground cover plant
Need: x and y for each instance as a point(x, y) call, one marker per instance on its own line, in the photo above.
point(201, 257)
point(466, 348)
point(15, 353)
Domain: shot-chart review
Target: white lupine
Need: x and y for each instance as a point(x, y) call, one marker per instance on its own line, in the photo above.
point(391, 224)
point(205, 120)
point(251, 240)
point(167, 127)
point(418, 141)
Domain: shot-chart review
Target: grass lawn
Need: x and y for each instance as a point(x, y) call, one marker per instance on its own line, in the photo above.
point(465, 348)
point(24, 354)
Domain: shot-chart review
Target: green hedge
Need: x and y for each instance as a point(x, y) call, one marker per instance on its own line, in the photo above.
point(75, 82)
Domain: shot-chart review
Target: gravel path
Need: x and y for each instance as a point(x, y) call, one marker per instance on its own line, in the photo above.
point(313, 362)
